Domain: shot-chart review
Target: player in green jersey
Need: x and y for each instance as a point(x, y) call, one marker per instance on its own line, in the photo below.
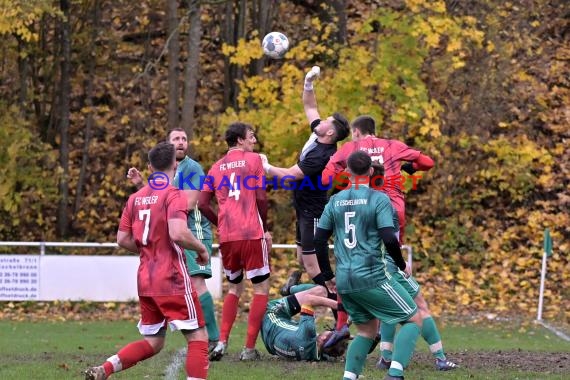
point(298, 339)
point(362, 221)
point(429, 332)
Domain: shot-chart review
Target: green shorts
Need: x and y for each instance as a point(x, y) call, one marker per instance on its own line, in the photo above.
point(193, 267)
point(410, 283)
point(388, 302)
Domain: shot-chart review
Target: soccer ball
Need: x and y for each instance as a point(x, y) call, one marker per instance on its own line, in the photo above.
point(275, 45)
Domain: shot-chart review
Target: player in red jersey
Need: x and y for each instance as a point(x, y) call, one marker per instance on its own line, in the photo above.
point(390, 153)
point(237, 182)
point(154, 224)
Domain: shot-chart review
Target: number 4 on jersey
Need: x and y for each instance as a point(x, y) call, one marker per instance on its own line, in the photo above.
point(234, 189)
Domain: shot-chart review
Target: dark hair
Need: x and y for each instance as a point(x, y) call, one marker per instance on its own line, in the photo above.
point(341, 126)
point(378, 174)
point(365, 124)
point(173, 130)
point(338, 349)
point(162, 156)
point(237, 130)
point(359, 163)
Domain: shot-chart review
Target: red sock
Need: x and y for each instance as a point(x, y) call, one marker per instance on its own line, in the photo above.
point(197, 363)
point(342, 316)
point(128, 356)
point(256, 313)
point(229, 313)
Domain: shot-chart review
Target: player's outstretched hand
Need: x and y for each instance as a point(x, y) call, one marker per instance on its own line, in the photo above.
point(311, 76)
point(135, 176)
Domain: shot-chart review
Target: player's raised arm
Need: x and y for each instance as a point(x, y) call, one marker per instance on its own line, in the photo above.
point(422, 163)
point(309, 99)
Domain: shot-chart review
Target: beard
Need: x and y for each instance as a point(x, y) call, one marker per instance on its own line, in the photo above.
point(180, 154)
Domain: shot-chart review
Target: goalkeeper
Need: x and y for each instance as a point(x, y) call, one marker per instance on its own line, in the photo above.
point(298, 339)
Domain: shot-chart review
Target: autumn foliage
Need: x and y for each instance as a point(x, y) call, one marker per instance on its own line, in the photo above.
point(483, 88)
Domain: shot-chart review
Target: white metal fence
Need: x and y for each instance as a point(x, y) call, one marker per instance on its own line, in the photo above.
point(47, 277)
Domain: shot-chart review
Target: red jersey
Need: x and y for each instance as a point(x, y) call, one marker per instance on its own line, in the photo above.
point(388, 152)
point(162, 270)
point(234, 180)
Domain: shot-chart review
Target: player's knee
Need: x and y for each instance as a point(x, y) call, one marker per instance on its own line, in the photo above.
point(320, 291)
point(196, 335)
point(422, 305)
point(156, 341)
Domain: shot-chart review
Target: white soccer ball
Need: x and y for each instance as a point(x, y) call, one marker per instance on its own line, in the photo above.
point(275, 45)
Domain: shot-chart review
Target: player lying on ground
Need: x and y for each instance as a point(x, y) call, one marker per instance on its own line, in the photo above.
point(298, 339)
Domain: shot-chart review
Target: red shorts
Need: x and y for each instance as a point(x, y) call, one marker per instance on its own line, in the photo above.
point(181, 312)
point(249, 255)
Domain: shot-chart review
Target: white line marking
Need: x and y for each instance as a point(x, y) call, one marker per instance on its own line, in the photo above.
point(559, 333)
point(171, 372)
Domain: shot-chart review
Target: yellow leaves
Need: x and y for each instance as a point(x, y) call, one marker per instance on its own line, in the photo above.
point(457, 62)
point(454, 45)
point(18, 16)
point(432, 40)
point(244, 52)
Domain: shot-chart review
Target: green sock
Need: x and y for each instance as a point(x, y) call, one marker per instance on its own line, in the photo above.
point(405, 344)
point(431, 335)
point(387, 333)
point(207, 303)
point(356, 357)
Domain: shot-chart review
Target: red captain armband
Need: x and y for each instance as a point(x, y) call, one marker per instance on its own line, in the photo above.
point(307, 310)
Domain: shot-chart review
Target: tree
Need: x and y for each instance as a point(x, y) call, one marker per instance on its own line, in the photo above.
point(173, 47)
point(64, 104)
point(192, 67)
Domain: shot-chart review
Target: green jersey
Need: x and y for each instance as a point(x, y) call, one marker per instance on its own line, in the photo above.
point(355, 215)
point(191, 174)
point(286, 337)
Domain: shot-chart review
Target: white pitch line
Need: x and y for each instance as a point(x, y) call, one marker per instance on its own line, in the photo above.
point(171, 372)
point(555, 331)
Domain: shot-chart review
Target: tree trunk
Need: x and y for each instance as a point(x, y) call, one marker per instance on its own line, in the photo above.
point(173, 61)
point(262, 15)
point(339, 7)
point(240, 22)
point(227, 35)
point(64, 105)
point(23, 71)
point(91, 63)
point(191, 68)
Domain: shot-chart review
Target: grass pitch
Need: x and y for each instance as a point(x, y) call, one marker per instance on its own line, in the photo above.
point(62, 350)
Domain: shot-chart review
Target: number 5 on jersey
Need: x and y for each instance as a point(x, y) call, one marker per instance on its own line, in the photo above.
point(350, 229)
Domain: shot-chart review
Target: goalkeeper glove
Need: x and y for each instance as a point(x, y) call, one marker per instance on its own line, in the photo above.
point(310, 77)
point(265, 163)
point(408, 167)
